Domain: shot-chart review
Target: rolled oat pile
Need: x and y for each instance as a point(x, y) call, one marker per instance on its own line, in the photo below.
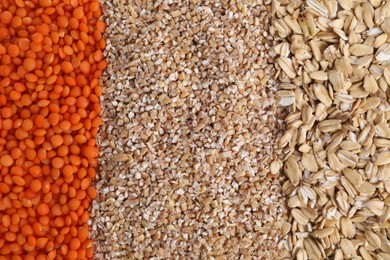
point(188, 133)
point(333, 68)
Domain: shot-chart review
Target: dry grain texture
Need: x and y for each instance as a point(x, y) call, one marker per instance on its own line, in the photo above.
point(333, 69)
point(187, 139)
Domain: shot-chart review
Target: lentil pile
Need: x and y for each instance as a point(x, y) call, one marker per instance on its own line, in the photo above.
point(50, 61)
point(188, 133)
point(333, 67)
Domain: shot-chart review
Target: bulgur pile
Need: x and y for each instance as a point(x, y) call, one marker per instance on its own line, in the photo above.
point(188, 134)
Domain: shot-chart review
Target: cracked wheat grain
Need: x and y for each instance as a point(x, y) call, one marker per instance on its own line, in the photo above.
point(188, 129)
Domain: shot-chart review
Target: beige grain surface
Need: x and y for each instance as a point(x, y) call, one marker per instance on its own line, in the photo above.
point(189, 133)
point(333, 78)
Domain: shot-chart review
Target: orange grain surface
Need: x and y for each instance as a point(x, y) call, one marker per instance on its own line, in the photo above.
point(50, 62)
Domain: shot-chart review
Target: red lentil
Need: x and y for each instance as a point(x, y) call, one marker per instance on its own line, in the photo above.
point(50, 60)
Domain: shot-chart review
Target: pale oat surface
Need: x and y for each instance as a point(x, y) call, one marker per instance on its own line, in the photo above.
point(334, 75)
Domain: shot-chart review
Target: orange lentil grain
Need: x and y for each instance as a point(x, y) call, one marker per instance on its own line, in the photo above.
point(67, 67)
point(13, 50)
point(6, 160)
point(57, 140)
point(37, 37)
point(45, 3)
point(35, 185)
point(29, 64)
point(4, 33)
point(43, 209)
point(6, 17)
